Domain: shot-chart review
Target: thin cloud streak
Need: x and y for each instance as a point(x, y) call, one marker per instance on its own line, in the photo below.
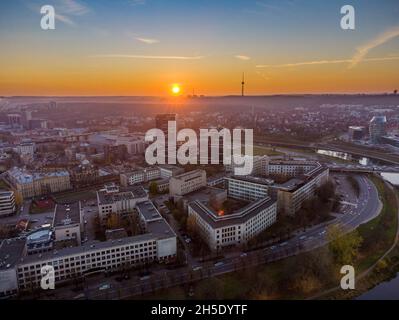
point(379, 40)
point(242, 57)
point(147, 40)
point(65, 19)
point(133, 56)
point(321, 62)
point(74, 8)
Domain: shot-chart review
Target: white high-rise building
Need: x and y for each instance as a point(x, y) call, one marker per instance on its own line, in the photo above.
point(7, 203)
point(377, 128)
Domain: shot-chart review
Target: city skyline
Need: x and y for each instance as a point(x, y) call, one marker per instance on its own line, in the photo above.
point(144, 47)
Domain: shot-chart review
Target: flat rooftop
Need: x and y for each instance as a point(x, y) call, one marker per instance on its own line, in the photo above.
point(191, 175)
point(23, 177)
point(127, 194)
point(253, 179)
point(161, 228)
point(148, 211)
point(237, 217)
point(92, 246)
point(66, 214)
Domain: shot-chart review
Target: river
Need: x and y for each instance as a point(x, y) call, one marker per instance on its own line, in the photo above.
point(388, 290)
point(384, 291)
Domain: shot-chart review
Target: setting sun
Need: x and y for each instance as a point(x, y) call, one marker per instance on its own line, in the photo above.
point(175, 89)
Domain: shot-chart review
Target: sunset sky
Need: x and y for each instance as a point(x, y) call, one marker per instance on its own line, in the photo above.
point(143, 47)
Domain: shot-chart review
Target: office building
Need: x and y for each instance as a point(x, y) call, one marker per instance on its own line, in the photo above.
point(7, 203)
point(68, 223)
point(292, 194)
point(187, 182)
point(356, 133)
point(221, 230)
point(140, 176)
point(31, 184)
point(249, 188)
point(168, 171)
point(20, 271)
point(112, 200)
point(377, 129)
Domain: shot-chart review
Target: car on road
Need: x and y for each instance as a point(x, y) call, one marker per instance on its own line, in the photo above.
point(243, 255)
point(145, 278)
point(187, 240)
point(104, 286)
point(302, 237)
point(322, 232)
point(34, 220)
point(219, 264)
point(272, 247)
point(283, 244)
point(197, 268)
point(80, 296)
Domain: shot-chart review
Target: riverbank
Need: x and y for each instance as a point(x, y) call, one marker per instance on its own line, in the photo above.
point(379, 259)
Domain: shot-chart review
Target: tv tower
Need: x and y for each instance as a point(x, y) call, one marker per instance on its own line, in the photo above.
point(242, 85)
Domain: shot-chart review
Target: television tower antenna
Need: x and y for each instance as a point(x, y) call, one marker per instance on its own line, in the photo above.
point(242, 85)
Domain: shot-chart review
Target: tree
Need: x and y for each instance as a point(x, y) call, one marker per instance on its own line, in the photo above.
point(113, 221)
point(153, 188)
point(191, 225)
point(306, 272)
point(344, 248)
point(18, 198)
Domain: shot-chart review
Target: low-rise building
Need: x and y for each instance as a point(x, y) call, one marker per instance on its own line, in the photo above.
point(140, 176)
point(304, 177)
point(25, 149)
point(248, 188)
point(31, 184)
point(20, 271)
point(290, 168)
point(112, 200)
point(220, 230)
point(187, 182)
point(168, 171)
point(68, 223)
point(292, 194)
